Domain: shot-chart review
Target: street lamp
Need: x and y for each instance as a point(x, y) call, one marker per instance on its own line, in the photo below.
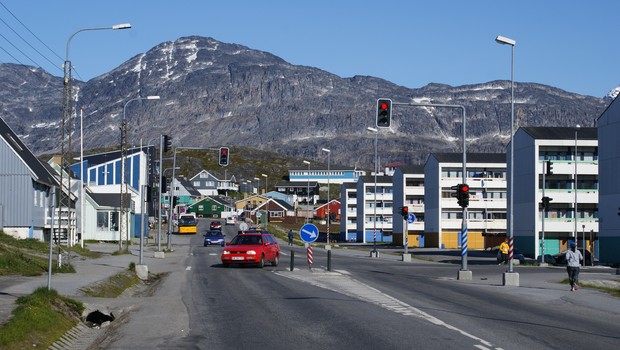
point(307, 190)
point(257, 185)
point(123, 185)
point(575, 186)
point(160, 204)
point(329, 152)
point(265, 176)
point(374, 235)
point(507, 41)
point(67, 113)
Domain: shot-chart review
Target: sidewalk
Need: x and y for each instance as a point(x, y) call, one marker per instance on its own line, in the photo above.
point(88, 272)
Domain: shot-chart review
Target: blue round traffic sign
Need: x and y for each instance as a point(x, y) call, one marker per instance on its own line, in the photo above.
point(411, 218)
point(309, 233)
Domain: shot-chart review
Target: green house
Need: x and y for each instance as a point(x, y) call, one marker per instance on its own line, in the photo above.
point(211, 207)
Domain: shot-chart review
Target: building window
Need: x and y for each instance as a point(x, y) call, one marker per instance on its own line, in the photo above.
point(107, 221)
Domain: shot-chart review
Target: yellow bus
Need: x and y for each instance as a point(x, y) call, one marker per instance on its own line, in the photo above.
point(187, 224)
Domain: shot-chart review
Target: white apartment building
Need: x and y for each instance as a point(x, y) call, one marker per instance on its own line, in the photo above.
point(374, 208)
point(408, 183)
point(348, 212)
point(486, 214)
point(534, 147)
point(609, 193)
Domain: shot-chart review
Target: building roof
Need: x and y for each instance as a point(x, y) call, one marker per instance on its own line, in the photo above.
point(104, 157)
point(561, 133)
point(39, 172)
point(412, 169)
point(322, 167)
point(109, 199)
point(471, 157)
point(380, 178)
point(189, 187)
point(301, 184)
point(325, 204)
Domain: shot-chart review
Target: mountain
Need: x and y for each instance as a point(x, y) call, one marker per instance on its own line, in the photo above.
point(218, 94)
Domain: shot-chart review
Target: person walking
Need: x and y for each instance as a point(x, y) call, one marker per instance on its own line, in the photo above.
point(504, 248)
point(290, 237)
point(573, 258)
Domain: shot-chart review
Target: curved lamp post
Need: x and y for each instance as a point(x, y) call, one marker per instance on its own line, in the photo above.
point(123, 184)
point(507, 41)
point(67, 113)
point(329, 152)
point(307, 190)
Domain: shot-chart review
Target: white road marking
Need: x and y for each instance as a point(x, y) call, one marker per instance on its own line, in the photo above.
point(188, 268)
point(348, 286)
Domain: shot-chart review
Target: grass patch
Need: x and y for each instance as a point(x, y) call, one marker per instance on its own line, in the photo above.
point(614, 291)
point(114, 285)
point(122, 252)
point(21, 262)
point(40, 319)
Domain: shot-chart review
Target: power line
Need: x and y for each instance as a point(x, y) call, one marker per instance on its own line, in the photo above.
point(24, 40)
point(22, 52)
point(33, 34)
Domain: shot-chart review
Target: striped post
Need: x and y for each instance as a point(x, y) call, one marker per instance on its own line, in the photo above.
point(309, 257)
point(510, 241)
point(464, 242)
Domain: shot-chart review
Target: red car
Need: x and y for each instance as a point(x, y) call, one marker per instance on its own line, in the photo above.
point(252, 248)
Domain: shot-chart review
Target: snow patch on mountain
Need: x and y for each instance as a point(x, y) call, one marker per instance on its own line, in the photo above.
point(613, 93)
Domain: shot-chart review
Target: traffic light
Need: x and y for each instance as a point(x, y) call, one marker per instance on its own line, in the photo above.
point(148, 191)
point(463, 195)
point(224, 153)
point(175, 201)
point(545, 202)
point(549, 168)
point(384, 112)
point(164, 185)
point(404, 211)
point(167, 143)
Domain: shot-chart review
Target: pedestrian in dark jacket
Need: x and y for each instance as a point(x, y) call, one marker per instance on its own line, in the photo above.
point(290, 237)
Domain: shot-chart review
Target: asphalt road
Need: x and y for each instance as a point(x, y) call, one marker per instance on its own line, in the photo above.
point(364, 303)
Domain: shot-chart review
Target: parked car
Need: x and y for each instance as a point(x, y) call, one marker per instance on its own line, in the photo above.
point(214, 237)
point(516, 255)
point(560, 259)
point(252, 248)
point(231, 220)
point(215, 225)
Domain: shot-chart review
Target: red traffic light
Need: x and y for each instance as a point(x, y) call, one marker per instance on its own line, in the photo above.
point(223, 159)
point(465, 188)
point(384, 112)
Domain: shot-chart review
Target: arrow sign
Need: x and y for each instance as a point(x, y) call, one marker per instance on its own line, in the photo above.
point(309, 233)
point(411, 218)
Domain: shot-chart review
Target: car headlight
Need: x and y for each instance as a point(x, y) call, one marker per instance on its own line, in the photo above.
point(251, 252)
point(226, 252)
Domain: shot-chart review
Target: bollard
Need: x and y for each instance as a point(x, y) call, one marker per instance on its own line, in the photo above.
point(329, 260)
point(292, 260)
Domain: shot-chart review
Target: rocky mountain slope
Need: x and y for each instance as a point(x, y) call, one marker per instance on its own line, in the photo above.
point(217, 94)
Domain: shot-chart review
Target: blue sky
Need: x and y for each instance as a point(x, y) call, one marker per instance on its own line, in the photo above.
point(566, 44)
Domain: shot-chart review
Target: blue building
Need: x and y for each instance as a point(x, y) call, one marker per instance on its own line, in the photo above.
point(101, 173)
point(337, 174)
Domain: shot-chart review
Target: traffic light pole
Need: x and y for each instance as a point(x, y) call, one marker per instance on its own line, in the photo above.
point(542, 219)
point(463, 273)
point(161, 174)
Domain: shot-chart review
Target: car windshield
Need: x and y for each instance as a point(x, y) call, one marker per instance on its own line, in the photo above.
point(249, 239)
point(214, 233)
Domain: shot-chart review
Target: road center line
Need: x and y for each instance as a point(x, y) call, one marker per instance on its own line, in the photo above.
point(348, 286)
